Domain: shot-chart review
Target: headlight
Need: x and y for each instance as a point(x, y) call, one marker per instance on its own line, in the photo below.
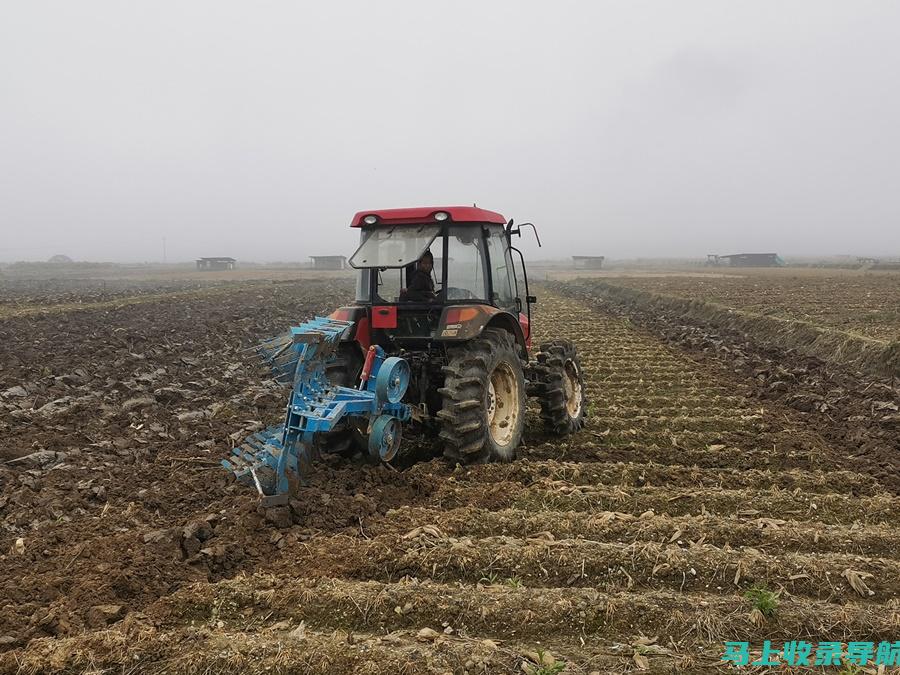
point(370, 220)
point(441, 215)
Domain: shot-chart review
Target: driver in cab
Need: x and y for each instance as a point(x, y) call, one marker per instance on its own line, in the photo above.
point(421, 285)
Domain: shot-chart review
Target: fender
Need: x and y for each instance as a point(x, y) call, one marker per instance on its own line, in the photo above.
point(460, 323)
point(360, 331)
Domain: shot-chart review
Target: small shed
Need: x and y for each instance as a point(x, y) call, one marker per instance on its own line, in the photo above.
point(329, 262)
point(588, 262)
point(753, 260)
point(212, 264)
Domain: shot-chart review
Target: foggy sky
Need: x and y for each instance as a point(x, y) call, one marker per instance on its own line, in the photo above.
point(257, 129)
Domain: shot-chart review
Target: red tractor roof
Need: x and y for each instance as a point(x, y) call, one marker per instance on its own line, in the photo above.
point(425, 214)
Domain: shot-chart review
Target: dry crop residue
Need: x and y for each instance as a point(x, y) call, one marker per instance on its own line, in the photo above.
point(629, 545)
point(865, 303)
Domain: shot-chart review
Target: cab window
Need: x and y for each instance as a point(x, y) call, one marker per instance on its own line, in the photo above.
point(465, 264)
point(501, 269)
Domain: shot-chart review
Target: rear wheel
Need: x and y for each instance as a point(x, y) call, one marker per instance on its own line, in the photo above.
point(347, 438)
point(557, 381)
point(483, 400)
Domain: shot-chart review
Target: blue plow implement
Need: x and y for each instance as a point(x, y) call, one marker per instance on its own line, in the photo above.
point(274, 458)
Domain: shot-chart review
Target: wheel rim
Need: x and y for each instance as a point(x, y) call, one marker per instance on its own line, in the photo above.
point(384, 439)
point(502, 404)
point(573, 388)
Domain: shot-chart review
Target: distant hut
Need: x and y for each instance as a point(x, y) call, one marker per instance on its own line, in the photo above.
point(213, 264)
point(753, 260)
point(329, 262)
point(587, 262)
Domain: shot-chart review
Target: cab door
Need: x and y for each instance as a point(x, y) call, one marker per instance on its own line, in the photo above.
point(502, 278)
point(504, 286)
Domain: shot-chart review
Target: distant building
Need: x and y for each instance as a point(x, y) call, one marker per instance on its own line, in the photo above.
point(752, 260)
point(588, 262)
point(212, 264)
point(60, 260)
point(329, 262)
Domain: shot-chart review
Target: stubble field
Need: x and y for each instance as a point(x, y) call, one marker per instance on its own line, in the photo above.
point(864, 303)
point(713, 470)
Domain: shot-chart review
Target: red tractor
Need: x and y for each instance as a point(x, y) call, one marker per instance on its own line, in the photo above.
point(440, 288)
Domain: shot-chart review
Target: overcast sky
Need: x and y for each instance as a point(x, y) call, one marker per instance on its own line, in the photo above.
point(257, 129)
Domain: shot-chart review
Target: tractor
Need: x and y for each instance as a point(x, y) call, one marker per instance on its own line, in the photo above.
point(439, 334)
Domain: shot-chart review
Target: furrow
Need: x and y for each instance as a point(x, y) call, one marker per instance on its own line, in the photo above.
point(559, 495)
point(676, 475)
point(603, 565)
point(765, 534)
point(500, 611)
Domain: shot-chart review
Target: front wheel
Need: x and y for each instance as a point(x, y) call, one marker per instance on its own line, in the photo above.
point(483, 400)
point(558, 383)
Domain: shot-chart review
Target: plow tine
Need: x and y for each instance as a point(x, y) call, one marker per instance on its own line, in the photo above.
point(236, 465)
point(254, 443)
point(281, 350)
point(277, 354)
point(239, 459)
point(249, 457)
point(256, 482)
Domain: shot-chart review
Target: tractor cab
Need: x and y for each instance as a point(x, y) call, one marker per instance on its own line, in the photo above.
point(439, 274)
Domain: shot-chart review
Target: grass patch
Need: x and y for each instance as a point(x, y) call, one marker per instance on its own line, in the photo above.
point(544, 663)
point(763, 600)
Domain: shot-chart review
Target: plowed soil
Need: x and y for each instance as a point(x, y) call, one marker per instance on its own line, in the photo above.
point(628, 546)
